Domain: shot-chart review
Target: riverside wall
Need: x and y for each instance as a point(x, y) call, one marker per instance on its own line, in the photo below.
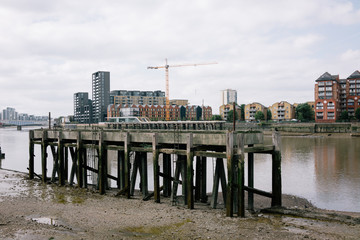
point(351, 128)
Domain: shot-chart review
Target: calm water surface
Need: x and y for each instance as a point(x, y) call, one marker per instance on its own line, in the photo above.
point(325, 171)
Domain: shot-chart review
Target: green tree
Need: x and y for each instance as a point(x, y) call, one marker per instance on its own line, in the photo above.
point(304, 113)
point(269, 115)
point(216, 117)
point(230, 116)
point(259, 115)
point(357, 114)
point(242, 109)
point(344, 116)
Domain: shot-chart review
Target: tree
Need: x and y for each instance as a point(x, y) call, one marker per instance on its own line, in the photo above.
point(242, 109)
point(357, 114)
point(230, 116)
point(269, 115)
point(344, 116)
point(259, 115)
point(304, 113)
point(216, 117)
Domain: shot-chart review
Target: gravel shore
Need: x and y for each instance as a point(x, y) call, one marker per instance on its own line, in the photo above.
point(32, 210)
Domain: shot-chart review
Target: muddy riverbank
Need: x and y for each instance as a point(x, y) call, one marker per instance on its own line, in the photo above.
point(31, 210)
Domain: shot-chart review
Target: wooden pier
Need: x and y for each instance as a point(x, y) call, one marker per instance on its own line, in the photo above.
point(191, 150)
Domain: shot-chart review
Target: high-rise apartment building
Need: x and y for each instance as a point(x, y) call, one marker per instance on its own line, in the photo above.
point(228, 96)
point(82, 108)
point(334, 96)
point(9, 114)
point(100, 95)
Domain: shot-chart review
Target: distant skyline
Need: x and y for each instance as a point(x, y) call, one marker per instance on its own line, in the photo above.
point(268, 51)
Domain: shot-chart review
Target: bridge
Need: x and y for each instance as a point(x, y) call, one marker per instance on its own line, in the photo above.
point(23, 123)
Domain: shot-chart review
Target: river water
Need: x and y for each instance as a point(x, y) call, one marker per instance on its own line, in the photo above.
point(324, 170)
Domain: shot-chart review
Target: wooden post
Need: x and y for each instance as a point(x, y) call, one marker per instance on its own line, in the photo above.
point(60, 155)
point(251, 179)
point(230, 167)
point(66, 162)
point(135, 167)
point(79, 166)
point(197, 178)
point(241, 176)
point(31, 154)
point(84, 168)
point(156, 168)
point(44, 155)
point(219, 177)
point(144, 174)
point(276, 171)
point(190, 171)
point(121, 170)
point(73, 171)
point(167, 172)
point(176, 181)
point(102, 164)
point(127, 163)
point(203, 196)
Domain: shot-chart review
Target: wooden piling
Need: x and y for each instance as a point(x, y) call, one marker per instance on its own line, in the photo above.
point(60, 155)
point(230, 168)
point(219, 177)
point(102, 164)
point(276, 171)
point(190, 171)
point(144, 174)
point(44, 145)
point(31, 154)
point(167, 172)
point(79, 167)
point(240, 176)
point(156, 168)
point(127, 149)
point(250, 179)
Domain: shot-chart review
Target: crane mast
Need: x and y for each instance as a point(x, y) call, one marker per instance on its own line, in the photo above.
point(167, 94)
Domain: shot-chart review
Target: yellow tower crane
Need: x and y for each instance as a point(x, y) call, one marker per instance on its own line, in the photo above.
point(166, 66)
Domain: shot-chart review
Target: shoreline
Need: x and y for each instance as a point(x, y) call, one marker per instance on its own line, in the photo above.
point(32, 210)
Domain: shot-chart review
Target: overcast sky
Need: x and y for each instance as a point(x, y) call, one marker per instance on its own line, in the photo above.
point(268, 51)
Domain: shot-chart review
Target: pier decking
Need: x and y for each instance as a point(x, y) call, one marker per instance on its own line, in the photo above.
point(185, 145)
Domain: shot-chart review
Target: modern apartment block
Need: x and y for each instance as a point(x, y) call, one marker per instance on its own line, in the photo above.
point(252, 108)
point(158, 113)
point(282, 111)
point(334, 95)
point(137, 97)
point(228, 96)
point(225, 109)
point(100, 95)
point(82, 108)
point(9, 114)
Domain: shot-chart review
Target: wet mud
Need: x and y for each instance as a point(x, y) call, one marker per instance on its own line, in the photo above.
point(32, 210)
